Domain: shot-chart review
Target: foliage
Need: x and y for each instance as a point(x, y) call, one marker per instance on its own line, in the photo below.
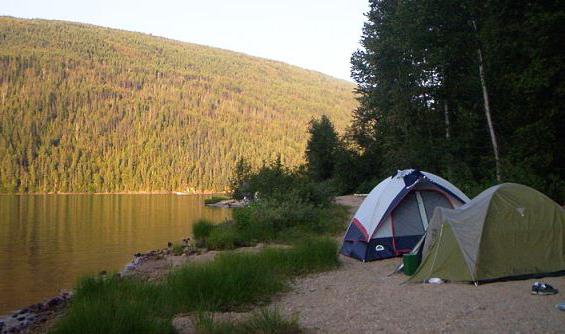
point(224, 236)
point(421, 100)
point(355, 170)
point(287, 221)
point(266, 320)
point(230, 281)
point(86, 108)
point(178, 249)
point(274, 181)
point(201, 230)
point(215, 199)
point(271, 180)
point(112, 305)
point(321, 149)
point(289, 205)
point(239, 181)
point(116, 305)
point(366, 186)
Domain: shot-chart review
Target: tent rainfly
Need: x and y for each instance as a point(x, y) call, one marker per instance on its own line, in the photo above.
point(506, 231)
point(395, 214)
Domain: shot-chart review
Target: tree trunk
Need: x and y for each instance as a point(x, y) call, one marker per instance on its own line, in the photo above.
point(487, 110)
point(446, 115)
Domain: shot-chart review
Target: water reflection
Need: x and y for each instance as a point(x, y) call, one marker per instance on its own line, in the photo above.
point(48, 241)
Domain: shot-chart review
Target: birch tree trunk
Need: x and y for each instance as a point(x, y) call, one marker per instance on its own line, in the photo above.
point(487, 110)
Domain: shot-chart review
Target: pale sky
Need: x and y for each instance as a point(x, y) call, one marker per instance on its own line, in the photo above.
point(319, 35)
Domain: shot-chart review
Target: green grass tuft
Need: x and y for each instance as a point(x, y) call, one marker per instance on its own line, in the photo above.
point(268, 320)
point(288, 222)
point(232, 280)
point(223, 236)
point(114, 305)
point(201, 229)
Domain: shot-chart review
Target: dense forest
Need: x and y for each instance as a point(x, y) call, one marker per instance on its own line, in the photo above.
point(471, 90)
point(91, 109)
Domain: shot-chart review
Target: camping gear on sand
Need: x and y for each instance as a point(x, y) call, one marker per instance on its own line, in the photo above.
point(509, 230)
point(411, 263)
point(435, 280)
point(395, 214)
point(543, 289)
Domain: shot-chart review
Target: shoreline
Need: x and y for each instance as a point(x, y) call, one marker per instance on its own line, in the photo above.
point(150, 265)
point(39, 316)
point(167, 192)
point(318, 301)
point(36, 317)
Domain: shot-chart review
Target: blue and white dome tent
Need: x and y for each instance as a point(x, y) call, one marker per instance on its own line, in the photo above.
point(395, 214)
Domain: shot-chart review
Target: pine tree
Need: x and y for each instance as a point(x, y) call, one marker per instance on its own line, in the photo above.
point(321, 149)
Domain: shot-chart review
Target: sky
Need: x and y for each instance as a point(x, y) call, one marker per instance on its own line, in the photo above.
point(319, 35)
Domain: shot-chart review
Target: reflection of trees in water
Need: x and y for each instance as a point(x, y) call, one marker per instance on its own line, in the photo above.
point(49, 241)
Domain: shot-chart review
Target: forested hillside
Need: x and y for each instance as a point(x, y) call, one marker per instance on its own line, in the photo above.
point(472, 90)
point(86, 108)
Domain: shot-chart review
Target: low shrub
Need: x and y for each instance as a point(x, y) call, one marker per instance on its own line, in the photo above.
point(201, 230)
point(273, 181)
point(366, 186)
point(178, 249)
point(223, 236)
point(270, 220)
point(266, 219)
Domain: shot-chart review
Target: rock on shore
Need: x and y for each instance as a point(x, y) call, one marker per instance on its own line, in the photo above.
point(229, 203)
point(35, 314)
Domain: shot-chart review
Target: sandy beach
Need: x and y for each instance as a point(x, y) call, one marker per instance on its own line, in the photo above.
point(365, 298)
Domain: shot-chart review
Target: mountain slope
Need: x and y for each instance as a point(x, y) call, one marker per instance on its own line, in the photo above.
point(86, 108)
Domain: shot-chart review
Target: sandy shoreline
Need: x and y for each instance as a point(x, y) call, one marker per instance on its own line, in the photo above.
point(180, 193)
point(365, 298)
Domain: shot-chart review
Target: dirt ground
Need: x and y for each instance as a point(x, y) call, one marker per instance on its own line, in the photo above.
point(365, 298)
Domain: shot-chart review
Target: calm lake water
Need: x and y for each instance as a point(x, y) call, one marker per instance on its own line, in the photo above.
point(47, 242)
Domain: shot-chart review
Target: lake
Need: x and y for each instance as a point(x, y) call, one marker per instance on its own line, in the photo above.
point(47, 242)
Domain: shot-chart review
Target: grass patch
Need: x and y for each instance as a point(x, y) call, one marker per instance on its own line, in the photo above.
point(288, 222)
point(201, 230)
point(215, 199)
point(232, 281)
point(223, 236)
point(266, 221)
point(178, 249)
point(113, 305)
point(264, 321)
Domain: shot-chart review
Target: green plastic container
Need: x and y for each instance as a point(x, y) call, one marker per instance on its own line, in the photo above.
point(411, 263)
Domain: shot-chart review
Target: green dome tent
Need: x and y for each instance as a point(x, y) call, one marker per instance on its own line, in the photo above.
point(507, 230)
